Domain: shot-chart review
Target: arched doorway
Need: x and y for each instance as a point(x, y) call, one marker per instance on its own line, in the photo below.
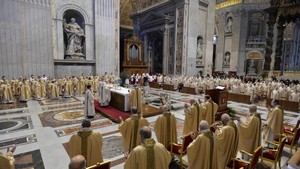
point(156, 52)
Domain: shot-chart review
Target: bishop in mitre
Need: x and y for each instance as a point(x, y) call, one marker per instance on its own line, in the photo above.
point(211, 110)
point(193, 116)
point(149, 154)
point(165, 128)
point(202, 152)
point(228, 138)
point(250, 131)
point(274, 123)
point(135, 97)
point(129, 130)
point(87, 143)
point(104, 93)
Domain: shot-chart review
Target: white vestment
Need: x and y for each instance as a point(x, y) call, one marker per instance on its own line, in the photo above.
point(89, 109)
point(104, 94)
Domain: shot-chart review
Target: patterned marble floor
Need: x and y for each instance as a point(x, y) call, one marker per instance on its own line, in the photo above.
point(41, 130)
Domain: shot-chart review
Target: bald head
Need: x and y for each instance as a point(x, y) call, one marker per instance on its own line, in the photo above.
point(192, 101)
point(77, 162)
point(145, 133)
point(164, 109)
point(225, 118)
point(252, 108)
point(203, 125)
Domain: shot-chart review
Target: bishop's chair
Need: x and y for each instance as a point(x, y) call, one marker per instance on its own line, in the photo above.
point(238, 163)
point(292, 139)
point(103, 165)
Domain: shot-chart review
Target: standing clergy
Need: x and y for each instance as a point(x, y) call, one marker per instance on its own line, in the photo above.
point(54, 90)
point(228, 139)
point(202, 152)
point(87, 143)
point(250, 131)
point(149, 154)
point(5, 90)
point(165, 128)
point(24, 91)
point(104, 93)
point(129, 130)
point(211, 110)
point(193, 116)
point(135, 97)
point(274, 123)
point(89, 109)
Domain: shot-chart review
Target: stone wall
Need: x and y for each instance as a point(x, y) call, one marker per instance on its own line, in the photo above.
point(25, 38)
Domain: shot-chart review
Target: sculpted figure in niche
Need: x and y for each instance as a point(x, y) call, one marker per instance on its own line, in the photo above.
point(199, 56)
point(227, 59)
point(229, 25)
point(75, 38)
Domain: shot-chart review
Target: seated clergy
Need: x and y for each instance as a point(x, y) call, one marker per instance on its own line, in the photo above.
point(211, 110)
point(250, 131)
point(274, 123)
point(87, 143)
point(228, 139)
point(129, 130)
point(7, 162)
point(104, 93)
point(149, 154)
point(202, 152)
point(165, 128)
point(193, 115)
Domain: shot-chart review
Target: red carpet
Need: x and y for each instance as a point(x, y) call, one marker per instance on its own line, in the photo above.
point(111, 113)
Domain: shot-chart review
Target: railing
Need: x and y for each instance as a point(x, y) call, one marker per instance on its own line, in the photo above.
point(256, 39)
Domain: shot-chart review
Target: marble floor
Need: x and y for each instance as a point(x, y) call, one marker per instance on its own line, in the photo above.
point(41, 130)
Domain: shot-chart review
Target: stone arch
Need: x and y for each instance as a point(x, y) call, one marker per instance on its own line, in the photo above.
point(60, 12)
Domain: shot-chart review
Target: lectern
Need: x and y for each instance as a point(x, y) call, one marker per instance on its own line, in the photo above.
point(220, 97)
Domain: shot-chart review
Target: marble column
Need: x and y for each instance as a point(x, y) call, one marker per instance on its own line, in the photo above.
point(165, 49)
point(280, 28)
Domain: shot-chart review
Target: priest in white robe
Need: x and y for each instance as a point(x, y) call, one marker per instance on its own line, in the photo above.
point(89, 109)
point(104, 93)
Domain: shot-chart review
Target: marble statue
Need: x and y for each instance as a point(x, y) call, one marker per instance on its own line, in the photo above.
point(199, 56)
point(227, 59)
point(75, 38)
point(229, 25)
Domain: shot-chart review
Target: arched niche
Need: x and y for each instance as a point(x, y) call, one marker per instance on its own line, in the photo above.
point(74, 35)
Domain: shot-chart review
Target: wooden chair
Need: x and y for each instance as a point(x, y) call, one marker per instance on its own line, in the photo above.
point(290, 128)
point(238, 163)
point(103, 165)
point(180, 150)
point(292, 140)
point(273, 155)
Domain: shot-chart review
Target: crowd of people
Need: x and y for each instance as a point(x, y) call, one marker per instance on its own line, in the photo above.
point(41, 87)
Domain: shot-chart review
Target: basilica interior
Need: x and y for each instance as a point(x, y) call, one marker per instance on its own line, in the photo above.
point(240, 52)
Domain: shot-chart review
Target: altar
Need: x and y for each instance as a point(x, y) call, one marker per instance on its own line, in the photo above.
point(120, 98)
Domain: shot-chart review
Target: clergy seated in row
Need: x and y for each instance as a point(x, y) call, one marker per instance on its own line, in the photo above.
point(104, 93)
point(87, 143)
point(250, 132)
point(129, 130)
point(202, 152)
point(228, 138)
point(89, 109)
point(149, 154)
point(165, 128)
point(273, 126)
point(135, 97)
point(77, 162)
point(7, 161)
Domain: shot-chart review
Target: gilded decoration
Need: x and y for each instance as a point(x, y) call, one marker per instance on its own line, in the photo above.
point(228, 3)
point(126, 9)
point(179, 35)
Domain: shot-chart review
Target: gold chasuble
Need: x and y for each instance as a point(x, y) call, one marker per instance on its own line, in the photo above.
point(250, 133)
point(130, 131)
point(135, 97)
point(202, 152)
point(274, 124)
point(165, 129)
point(227, 144)
point(7, 162)
point(148, 155)
point(88, 144)
point(192, 119)
point(211, 110)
